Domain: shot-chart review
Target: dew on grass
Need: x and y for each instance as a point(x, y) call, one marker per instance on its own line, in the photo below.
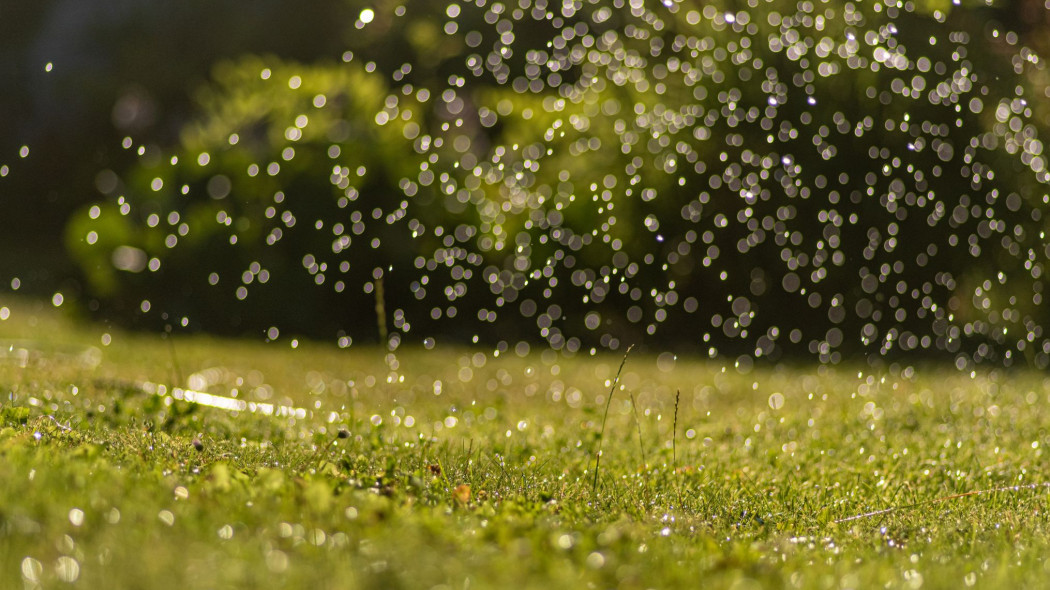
point(665, 362)
point(276, 561)
point(32, 569)
point(776, 400)
point(67, 569)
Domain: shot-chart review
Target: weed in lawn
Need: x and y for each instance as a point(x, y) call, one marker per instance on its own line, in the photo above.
point(605, 417)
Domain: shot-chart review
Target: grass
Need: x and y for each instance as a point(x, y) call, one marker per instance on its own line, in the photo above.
point(453, 468)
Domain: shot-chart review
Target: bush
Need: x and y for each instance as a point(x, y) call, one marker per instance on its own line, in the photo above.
point(825, 178)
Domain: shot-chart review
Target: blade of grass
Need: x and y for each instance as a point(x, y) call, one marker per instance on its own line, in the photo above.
point(641, 449)
point(169, 335)
point(674, 431)
point(381, 311)
point(605, 417)
point(674, 446)
point(891, 509)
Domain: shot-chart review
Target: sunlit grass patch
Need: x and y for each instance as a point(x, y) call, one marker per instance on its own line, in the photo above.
point(419, 468)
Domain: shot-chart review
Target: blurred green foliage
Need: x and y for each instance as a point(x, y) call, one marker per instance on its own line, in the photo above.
point(825, 177)
point(117, 69)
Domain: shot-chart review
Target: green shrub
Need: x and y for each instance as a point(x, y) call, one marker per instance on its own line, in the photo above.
point(822, 177)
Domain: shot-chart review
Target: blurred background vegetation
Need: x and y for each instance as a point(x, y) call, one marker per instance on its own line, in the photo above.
point(726, 177)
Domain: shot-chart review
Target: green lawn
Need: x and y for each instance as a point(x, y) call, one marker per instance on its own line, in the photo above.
point(455, 468)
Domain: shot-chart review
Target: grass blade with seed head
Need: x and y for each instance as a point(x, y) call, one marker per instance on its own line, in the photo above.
point(605, 417)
